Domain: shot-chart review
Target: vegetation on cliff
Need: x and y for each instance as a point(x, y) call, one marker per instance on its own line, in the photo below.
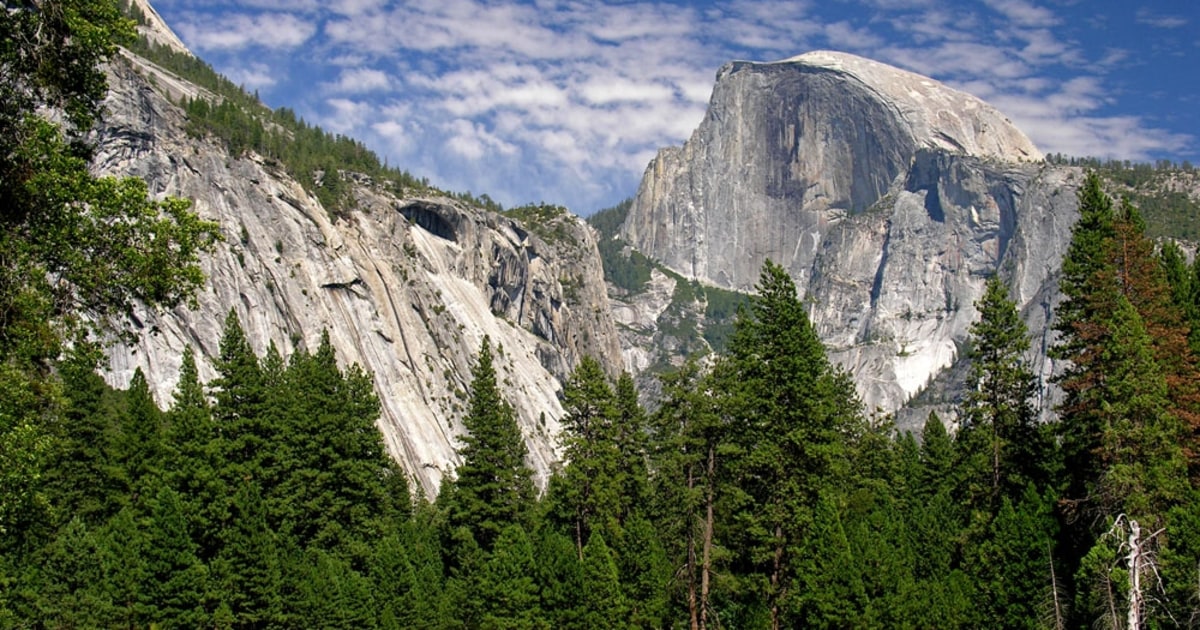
point(759, 494)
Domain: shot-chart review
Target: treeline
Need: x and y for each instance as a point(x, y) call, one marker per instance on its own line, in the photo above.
point(757, 495)
point(1112, 164)
point(262, 500)
point(624, 267)
point(629, 270)
point(1164, 191)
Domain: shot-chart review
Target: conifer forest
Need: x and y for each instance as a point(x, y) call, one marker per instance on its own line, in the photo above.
point(757, 494)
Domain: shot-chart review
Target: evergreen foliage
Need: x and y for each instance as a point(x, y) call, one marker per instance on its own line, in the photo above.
point(77, 251)
point(757, 495)
point(494, 485)
point(592, 487)
point(793, 414)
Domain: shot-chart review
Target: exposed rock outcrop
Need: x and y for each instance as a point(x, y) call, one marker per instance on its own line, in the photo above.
point(888, 196)
point(407, 286)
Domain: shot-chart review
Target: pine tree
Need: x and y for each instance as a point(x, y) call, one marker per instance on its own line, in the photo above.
point(172, 592)
point(407, 571)
point(794, 415)
point(465, 560)
point(591, 478)
point(631, 442)
point(1180, 568)
point(335, 467)
point(83, 478)
point(936, 516)
point(601, 602)
point(1089, 288)
point(506, 586)
point(239, 394)
point(559, 577)
point(122, 545)
point(999, 433)
point(688, 433)
point(644, 572)
point(830, 590)
point(494, 485)
point(1144, 284)
point(1140, 441)
point(139, 442)
point(937, 457)
point(1010, 565)
point(70, 583)
point(328, 593)
point(249, 568)
point(1109, 261)
point(195, 465)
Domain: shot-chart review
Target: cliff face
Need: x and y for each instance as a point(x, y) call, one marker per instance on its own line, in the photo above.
point(407, 286)
point(888, 196)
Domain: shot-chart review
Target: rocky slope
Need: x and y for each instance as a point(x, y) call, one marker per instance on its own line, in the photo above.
point(888, 196)
point(407, 286)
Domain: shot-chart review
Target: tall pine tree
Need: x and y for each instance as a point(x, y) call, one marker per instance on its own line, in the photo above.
point(591, 480)
point(493, 486)
point(999, 436)
point(793, 413)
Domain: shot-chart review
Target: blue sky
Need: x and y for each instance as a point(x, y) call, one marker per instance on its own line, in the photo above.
point(566, 101)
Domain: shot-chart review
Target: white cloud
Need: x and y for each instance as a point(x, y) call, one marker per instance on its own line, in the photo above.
point(470, 140)
point(606, 90)
point(567, 100)
point(236, 31)
point(1158, 20)
point(1023, 13)
point(359, 81)
point(254, 76)
point(355, 7)
point(347, 115)
point(1124, 137)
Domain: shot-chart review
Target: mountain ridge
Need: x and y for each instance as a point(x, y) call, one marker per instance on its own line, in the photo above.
point(407, 283)
point(941, 117)
point(888, 228)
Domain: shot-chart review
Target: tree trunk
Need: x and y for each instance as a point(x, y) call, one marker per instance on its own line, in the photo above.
point(776, 577)
point(693, 611)
point(706, 563)
point(1135, 576)
point(1059, 621)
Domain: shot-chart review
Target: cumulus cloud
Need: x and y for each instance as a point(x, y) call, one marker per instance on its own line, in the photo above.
point(472, 141)
point(346, 115)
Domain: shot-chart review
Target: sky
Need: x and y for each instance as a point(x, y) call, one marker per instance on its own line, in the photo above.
point(566, 102)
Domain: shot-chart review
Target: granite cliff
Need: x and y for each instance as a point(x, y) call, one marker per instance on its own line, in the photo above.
point(888, 196)
point(407, 284)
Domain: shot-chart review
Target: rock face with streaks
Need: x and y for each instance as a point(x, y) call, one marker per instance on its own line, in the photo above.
point(888, 196)
point(408, 286)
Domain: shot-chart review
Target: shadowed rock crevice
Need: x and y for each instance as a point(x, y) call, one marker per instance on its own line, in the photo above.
point(429, 217)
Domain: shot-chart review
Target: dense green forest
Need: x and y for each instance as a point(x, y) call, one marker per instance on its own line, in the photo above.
point(759, 494)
